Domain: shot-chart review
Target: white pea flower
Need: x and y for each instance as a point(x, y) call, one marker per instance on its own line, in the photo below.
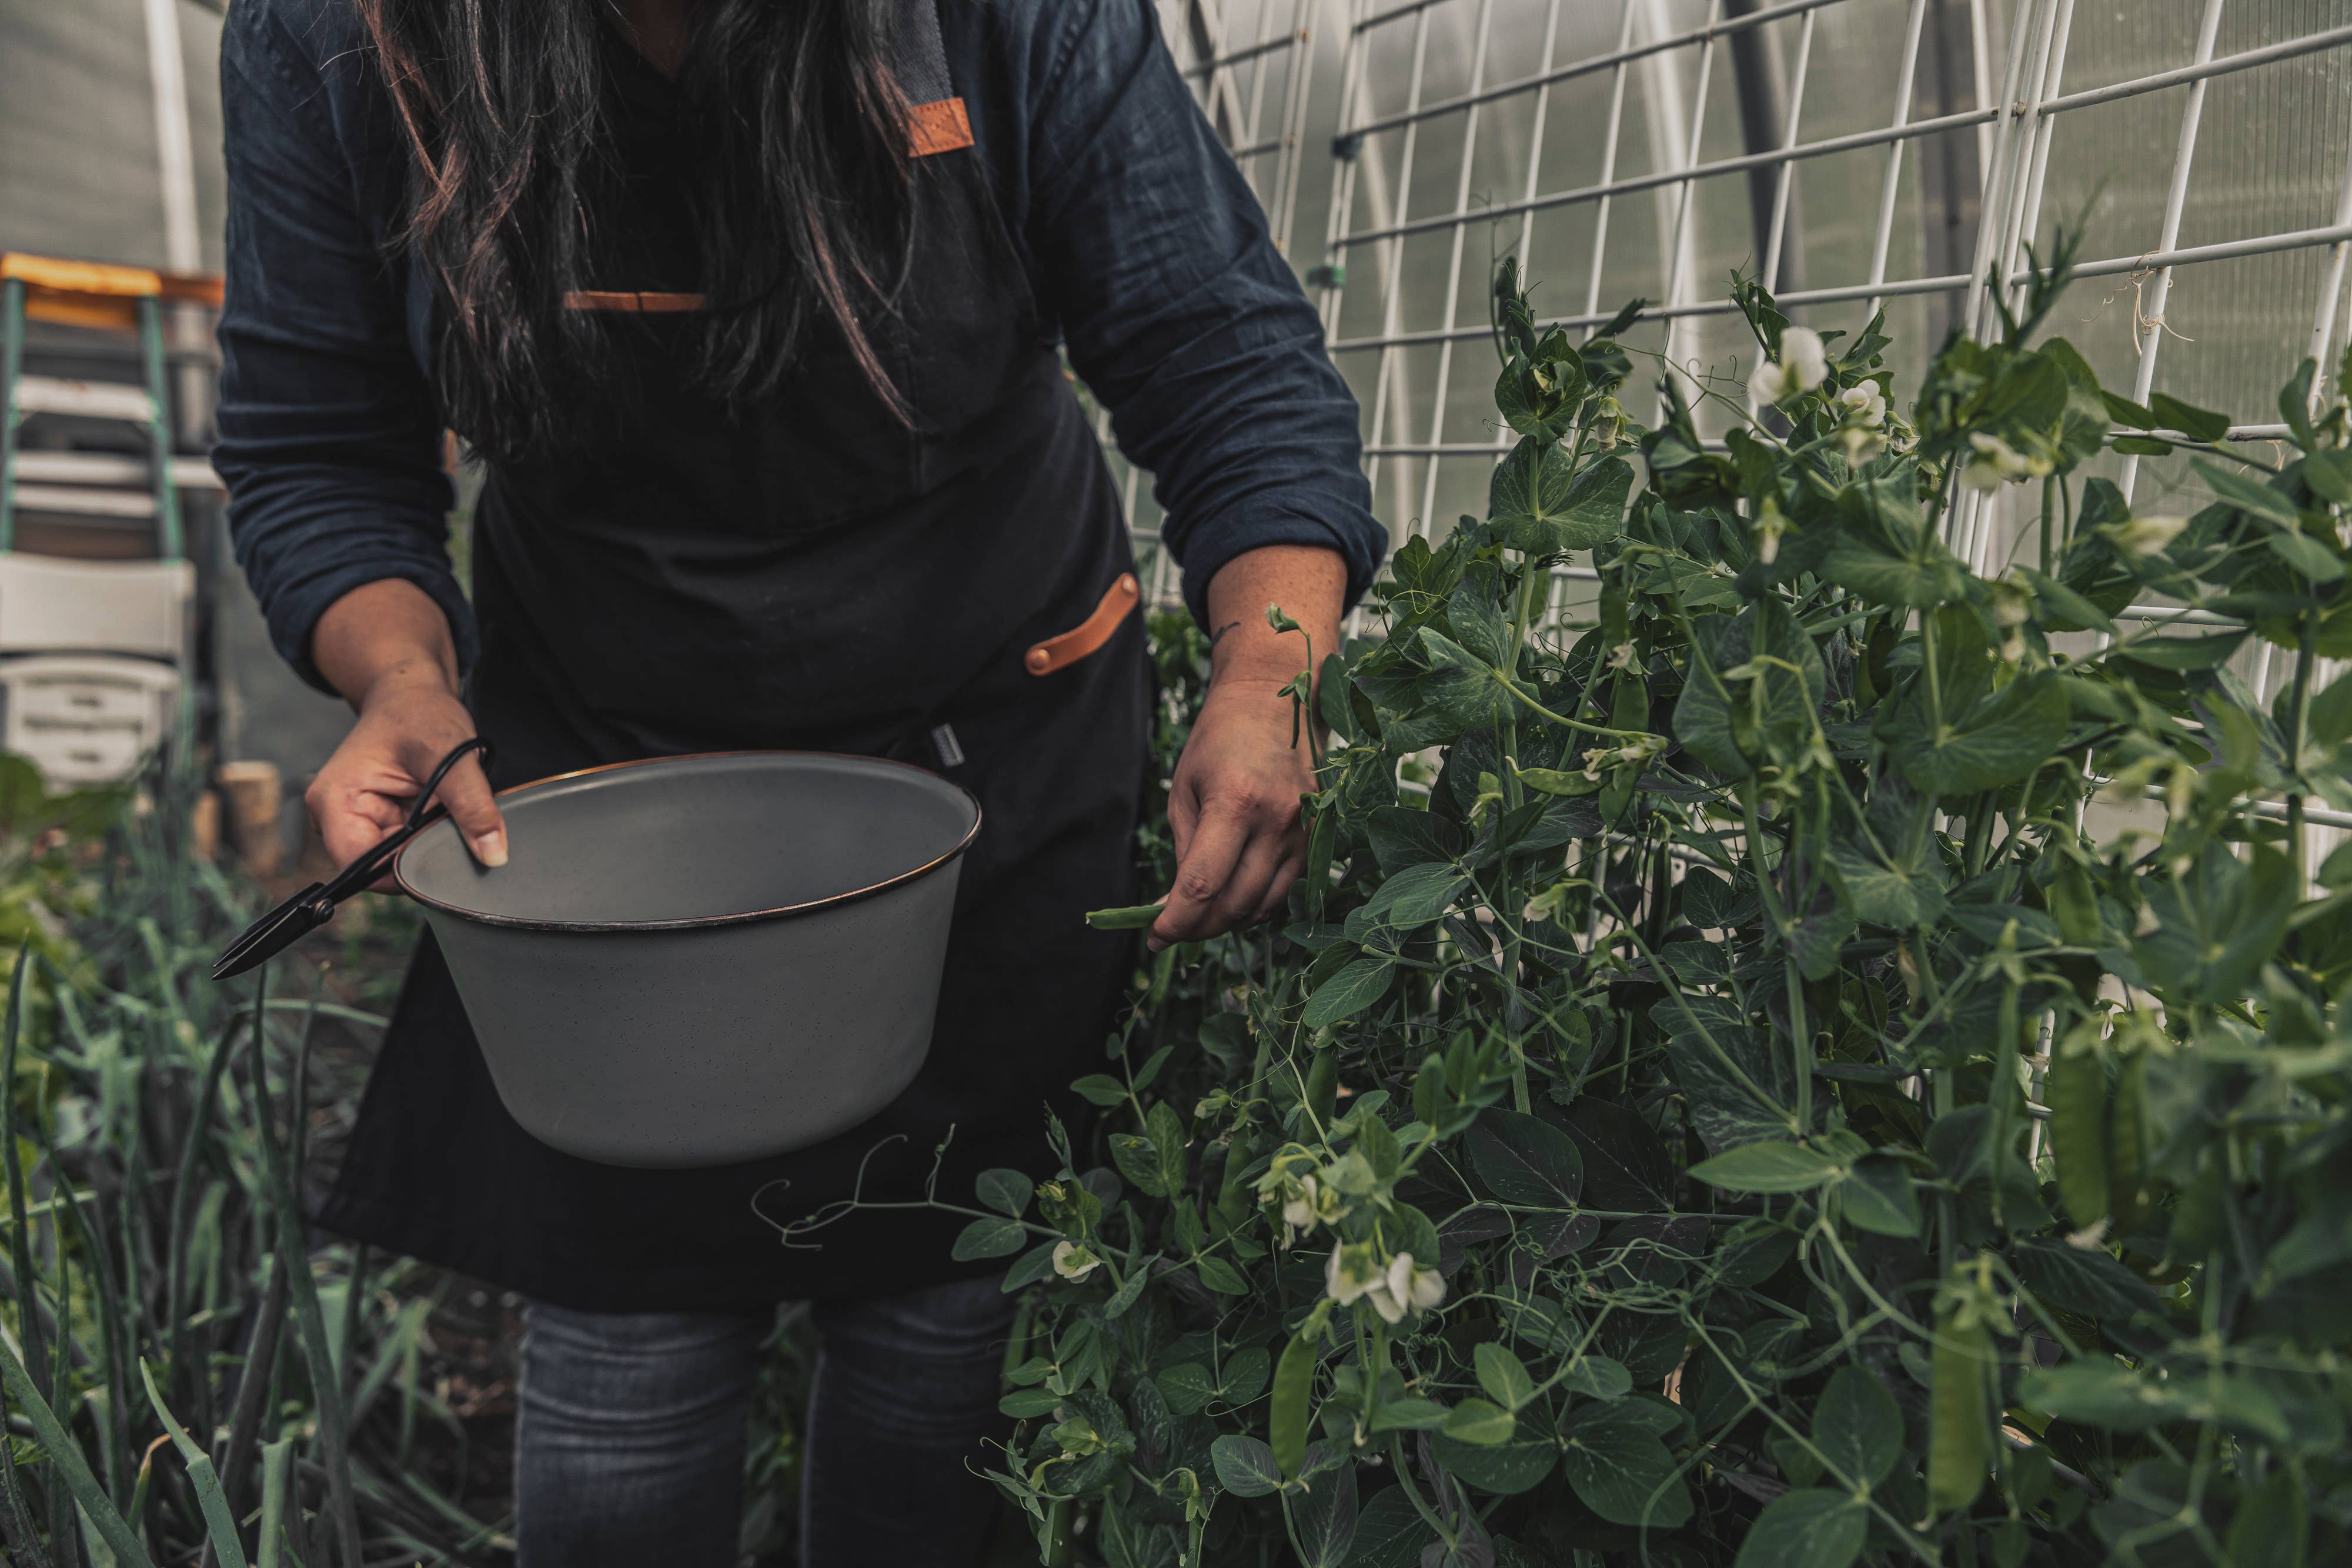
point(2012, 606)
point(1861, 443)
point(1899, 433)
point(2143, 537)
point(1803, 365)
point(1864, 403)
point(1770, 526)
point(1413, 1288)
point(1595, 760)
point(1609, 422)
point(1353, 1272)
point(1073, 1262)
point(1621, 656)
point(2091, 1237)
point(1307, 1204)
point(1998, 463)
point(1298, 1212)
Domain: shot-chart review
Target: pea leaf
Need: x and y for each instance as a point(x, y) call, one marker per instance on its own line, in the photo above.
point(1403, 837)
point(1878, 1198)
point(1902, 893)
point(1390, 1532)
point(1813, 1528)
point(1771, 1167)
point(2089, 1282)
point(1526, 1160)
point(1005, 1191)
point(1597, 1378)
point(989, 1238)
point(1503, 1376)
point(2246, 496)
point(1998, 741)
point(1858, 1425)
point(1476, 1421)
point(2217, 923)
point(2307, 555)
point(1168, 1141)
point(1023, 1404)
point(1327, 1517)
point(1417, 895)
point(1738, 1089)
point(1503, 1469)
point(1244, 1465)
point(1363, 982)
point(1220, 1276)
point(1186, 1387)
point(1101, 1088)
point(2196, 424)
point(1033, 1266)
point(1620, 1470)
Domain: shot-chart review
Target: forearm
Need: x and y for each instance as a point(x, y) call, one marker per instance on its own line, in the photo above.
point(1310, 585)
point(384, 635)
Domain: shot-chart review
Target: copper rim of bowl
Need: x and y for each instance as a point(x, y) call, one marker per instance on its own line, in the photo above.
point(702, 921)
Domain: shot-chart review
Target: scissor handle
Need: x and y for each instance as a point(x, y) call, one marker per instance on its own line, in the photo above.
point(423, 812)
point(309, 909)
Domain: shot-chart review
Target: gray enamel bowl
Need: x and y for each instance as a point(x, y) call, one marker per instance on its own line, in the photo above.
point(698, 960)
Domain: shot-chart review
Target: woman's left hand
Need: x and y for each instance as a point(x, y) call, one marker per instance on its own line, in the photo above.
point(1234, 803)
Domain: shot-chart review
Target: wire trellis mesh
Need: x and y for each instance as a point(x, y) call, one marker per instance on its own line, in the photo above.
point(1853, 153)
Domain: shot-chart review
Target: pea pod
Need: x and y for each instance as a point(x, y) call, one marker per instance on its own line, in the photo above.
point(1323, 1084)
point(2076, 1089)
point(1959, 1440)
point(1294, 1387)
point(2127, 1146)
point(1135, 917)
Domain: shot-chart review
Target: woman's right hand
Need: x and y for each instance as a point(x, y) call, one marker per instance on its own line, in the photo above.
point(386, 648)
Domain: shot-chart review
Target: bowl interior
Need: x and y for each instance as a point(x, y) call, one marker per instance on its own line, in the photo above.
point(697, 838)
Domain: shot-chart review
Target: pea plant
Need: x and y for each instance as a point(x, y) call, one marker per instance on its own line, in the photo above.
point(1843, 1060)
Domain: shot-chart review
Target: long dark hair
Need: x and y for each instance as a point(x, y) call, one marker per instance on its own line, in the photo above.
point(799, 169)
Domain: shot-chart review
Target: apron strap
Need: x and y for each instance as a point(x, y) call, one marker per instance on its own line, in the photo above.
point(936, 122)
point(922, 54)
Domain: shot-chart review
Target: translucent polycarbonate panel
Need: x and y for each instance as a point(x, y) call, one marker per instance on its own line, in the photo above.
point(1901, 150)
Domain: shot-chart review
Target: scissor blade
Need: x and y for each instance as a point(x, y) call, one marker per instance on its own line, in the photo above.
point(274, 933)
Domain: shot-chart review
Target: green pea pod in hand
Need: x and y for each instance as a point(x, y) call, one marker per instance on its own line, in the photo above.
point(1135, 917)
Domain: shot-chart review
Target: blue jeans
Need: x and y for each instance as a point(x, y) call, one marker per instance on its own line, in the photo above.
point(629, 1440)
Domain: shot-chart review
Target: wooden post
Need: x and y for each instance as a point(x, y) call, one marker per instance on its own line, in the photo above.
point(254, 793)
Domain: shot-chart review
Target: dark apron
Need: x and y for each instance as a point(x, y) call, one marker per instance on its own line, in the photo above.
point(807, 574)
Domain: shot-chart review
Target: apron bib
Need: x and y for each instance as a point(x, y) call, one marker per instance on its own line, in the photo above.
point(807, 573)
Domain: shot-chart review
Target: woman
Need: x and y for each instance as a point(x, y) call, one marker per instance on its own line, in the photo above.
point(752, 308)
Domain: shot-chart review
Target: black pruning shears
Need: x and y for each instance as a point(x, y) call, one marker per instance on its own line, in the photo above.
point(315, 904)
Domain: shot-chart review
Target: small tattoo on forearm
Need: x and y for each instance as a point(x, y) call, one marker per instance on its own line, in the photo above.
point(1218, 636)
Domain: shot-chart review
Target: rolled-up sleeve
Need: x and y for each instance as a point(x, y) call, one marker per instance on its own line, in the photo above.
point(330, 434)
point(1179, 312)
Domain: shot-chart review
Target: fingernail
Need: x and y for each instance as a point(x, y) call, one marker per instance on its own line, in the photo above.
point(490, 849)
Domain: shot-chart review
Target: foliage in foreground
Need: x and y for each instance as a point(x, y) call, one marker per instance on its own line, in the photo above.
point(154, 1250)
point(1737, 1113)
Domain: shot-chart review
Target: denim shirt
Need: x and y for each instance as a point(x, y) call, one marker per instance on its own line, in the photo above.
point(1140, 239)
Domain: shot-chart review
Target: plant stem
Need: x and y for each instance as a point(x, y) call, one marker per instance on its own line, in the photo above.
point(2298, 732)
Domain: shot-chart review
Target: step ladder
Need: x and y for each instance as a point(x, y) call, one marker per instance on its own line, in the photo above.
point(95, 655)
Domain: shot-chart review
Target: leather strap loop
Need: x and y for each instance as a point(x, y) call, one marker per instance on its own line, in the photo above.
point(1118, 602)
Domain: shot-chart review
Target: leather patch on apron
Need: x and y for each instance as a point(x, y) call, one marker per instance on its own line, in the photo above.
point(941, 127)
point(633, 301)
point(1060, 652)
